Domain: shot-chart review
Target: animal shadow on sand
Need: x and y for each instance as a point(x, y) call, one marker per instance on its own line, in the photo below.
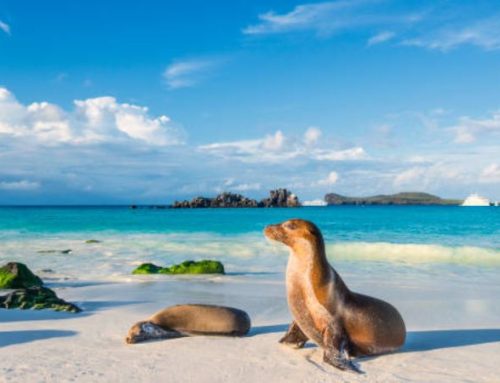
point(8, 338)
point(418, 340)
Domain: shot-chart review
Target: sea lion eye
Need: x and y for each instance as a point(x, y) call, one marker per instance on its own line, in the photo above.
point(290, 225)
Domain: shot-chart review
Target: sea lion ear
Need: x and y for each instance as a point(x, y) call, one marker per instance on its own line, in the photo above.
point(289, 225)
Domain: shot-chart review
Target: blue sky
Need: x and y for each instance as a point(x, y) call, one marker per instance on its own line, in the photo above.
point(142, 102)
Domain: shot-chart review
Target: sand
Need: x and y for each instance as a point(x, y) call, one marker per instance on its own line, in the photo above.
point(453, 333)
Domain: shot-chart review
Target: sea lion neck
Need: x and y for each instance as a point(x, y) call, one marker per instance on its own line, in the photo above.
point(310, 253)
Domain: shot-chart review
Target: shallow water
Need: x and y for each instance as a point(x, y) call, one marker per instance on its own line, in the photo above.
point(410, 240)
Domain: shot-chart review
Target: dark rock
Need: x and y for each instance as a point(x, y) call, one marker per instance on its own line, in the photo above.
point(277, 198)
point(66, 251)
point(15, 275)
point(280, 198)
point(36, 298)
point(186, 267)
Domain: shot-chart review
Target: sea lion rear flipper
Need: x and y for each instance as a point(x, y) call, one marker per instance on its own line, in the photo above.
point(294, 336)
point(334, 341)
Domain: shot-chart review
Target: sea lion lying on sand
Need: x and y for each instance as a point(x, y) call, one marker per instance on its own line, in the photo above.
point(191, 319)
point(324, 309)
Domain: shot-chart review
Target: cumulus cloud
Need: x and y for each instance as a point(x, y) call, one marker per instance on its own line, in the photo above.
point(312, 135)
point(4, 27)
point(22, 185)
point(94, 120)
point(277, 147)
point(188, 73)
point(331, 179)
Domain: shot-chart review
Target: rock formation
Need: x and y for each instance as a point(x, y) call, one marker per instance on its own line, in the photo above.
point(186, 267)
point(277, 198)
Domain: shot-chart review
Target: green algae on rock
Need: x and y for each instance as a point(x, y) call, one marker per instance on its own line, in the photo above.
point(187, 267)
point(16, 275)
point(92, 241)
point(147, 268)
point(36, 298)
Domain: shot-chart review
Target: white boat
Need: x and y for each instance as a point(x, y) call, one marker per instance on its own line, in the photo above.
point(476, 200)
point(315, 202)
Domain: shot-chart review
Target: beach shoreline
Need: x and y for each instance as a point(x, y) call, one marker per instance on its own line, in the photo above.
point(447, 341)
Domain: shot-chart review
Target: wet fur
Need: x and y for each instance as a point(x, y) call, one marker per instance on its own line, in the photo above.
point(324, 309)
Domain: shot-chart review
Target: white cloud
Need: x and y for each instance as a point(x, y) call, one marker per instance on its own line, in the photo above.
point(380, 38)
point(94, 120)
point(5, 27)
point(490, 174)
point(277, 147)
point(306, 16)
point(326, 18)
point(469, 129)
point(409, 176)
point(331, 179)
point(352, 154)
point(432, 28)
point(274, 142)
point(312, 135)
point(423, 177)
point(484, 34)
point(23, 185)
point(188, 73)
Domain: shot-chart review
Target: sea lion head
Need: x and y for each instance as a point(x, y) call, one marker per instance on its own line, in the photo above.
point(145, 330)
point(294, 232)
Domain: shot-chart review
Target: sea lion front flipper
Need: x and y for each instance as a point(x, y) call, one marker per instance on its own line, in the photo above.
point(294, 336)
point(334, 340)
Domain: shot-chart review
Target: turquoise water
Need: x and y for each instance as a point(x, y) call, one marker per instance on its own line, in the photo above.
point(455, 226)
point(408, 236)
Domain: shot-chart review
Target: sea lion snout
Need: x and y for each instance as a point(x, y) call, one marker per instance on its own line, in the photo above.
point(272, 231)
point(288, 232)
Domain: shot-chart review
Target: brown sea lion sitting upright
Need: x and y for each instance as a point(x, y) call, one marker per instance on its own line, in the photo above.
point(324, 309)
point(190, 319)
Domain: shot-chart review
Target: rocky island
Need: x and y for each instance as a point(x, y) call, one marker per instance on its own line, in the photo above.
point(407, 198)
point(277, 198)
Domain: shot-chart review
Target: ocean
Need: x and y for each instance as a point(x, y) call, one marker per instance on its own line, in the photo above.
point(405, 239)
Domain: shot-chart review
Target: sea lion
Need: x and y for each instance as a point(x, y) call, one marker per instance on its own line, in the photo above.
point(324, 309)
point(191, 319)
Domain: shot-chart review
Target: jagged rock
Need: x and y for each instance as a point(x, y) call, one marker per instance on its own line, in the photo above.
point(16, 275)
point(186, 267)
point(221, 200)
point(277, 198)
point(280, 198)
point(36, 298)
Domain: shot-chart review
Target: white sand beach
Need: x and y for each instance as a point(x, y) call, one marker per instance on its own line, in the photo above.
point(452, 321)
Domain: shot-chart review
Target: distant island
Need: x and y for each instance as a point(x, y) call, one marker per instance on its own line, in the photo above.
point(277, 198)
point(285, 198)
point(408, 198)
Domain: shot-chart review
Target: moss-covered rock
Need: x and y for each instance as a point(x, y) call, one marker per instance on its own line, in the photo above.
point(15, 275)
point(187, 267)
point(147, 268)
point(36, 298)
point(92, 241)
